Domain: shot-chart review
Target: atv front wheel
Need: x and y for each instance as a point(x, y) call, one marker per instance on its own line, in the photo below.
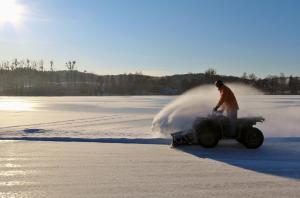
point(240, 140)
point(253, 138)
point(207, 137)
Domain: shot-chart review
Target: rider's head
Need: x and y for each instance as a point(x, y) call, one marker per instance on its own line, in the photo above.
point(219, 83)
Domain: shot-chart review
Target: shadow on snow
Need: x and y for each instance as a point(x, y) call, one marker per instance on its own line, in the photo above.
point(160, 141)
point(278, 156)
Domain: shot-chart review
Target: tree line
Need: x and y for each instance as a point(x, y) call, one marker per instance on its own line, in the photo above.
point(33, 78)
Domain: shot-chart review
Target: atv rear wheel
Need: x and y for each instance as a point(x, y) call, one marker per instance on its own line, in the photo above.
point(253, 138)
point(207, 137)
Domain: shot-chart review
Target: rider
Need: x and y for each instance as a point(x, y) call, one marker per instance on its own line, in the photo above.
point(229, 104)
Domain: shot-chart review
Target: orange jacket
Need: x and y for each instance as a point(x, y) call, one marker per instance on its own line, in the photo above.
point(227, 99)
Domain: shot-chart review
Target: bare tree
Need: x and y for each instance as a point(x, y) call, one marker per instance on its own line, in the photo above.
point(28, 63)
point(33, 65)
point(51, 66)
point(70, 65)
point(252, 77)
point(244, 76)
point(41, 65)
point(6, 65)
point(21, 63)
point(14, 64)
point(211, 72)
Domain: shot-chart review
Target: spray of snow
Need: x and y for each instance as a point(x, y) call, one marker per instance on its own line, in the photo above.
point(181, 113)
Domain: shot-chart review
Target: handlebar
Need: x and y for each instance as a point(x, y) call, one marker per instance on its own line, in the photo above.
point(217, 113)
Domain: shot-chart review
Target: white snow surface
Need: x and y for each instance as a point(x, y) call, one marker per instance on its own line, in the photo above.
point(43, 169)
point(104, 147)
point(127, 117)
point(79, 117)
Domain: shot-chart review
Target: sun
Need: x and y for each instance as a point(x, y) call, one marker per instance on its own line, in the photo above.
point(11, 12)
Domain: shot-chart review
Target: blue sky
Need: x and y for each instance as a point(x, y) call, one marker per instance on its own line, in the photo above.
point(159, 37)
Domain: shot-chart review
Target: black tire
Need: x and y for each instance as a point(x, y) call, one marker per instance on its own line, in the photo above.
point(240, 140)
point(207, 137)
point(174, 144)
point(253, 138)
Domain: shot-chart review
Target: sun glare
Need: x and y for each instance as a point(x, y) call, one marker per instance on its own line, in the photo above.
point(11, 12)
point(15, 106)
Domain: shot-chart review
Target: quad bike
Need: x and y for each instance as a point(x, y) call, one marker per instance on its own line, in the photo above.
point(207, 131)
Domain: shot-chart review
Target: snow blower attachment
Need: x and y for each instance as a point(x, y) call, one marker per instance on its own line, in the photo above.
point(207, 131)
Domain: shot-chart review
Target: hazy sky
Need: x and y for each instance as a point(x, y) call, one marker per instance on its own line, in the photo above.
point(158, 37)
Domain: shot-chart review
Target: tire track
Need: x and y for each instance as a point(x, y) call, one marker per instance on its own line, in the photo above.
point(64, 122)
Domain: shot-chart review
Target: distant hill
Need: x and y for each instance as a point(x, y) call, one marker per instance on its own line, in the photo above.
point(25, 81)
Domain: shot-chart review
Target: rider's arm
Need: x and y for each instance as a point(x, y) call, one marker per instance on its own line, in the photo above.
point(222, 99)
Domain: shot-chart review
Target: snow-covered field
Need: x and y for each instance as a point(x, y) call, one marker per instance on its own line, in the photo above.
point(104, 147)
point(79, 117)
point(124, 117)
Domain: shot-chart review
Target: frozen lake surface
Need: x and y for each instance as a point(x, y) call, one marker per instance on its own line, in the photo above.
point(127, 117)
point(84, 117)
point(104, 147)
